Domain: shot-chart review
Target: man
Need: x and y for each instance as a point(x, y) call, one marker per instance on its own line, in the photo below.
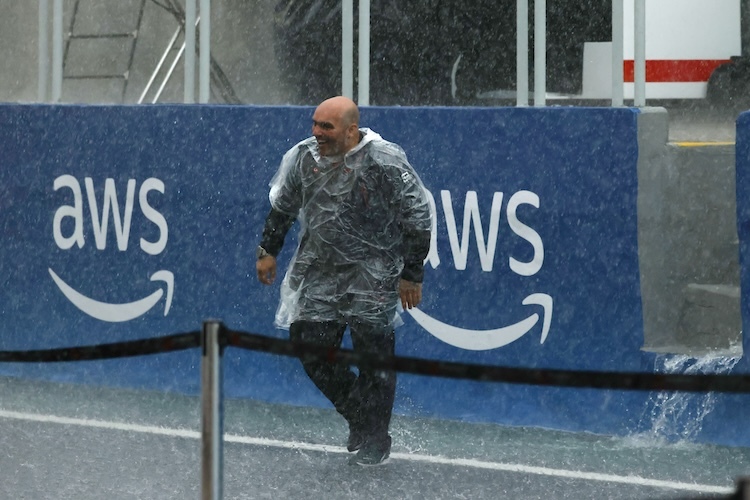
point(365, 232)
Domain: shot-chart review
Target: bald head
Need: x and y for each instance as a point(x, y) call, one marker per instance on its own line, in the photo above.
point(344, 108)
point(336, 126)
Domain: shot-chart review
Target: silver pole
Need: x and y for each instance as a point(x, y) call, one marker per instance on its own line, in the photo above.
point(522, 52)
point(211, 413)
point(347, 48)
point(189, 84)
point(43, 53)
point(363, 87)
point(204, 76)
point(618, 30)
point(57, 50)
point(540, 52)
point(640, 53)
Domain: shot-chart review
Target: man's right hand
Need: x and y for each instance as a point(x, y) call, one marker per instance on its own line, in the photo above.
point(266, 267)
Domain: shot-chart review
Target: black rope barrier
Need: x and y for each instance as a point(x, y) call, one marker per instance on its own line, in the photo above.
point(417, 366)
point(142, 347)
point(546, 377)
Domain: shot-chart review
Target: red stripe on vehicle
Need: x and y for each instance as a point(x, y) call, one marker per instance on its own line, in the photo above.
point(662, 71)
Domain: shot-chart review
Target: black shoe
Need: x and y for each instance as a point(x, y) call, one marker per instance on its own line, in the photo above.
point(373, 453)
point(356, 439)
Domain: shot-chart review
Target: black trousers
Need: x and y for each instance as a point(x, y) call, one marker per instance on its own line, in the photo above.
point(365, 400)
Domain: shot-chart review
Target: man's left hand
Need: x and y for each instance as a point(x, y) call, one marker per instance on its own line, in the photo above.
point(410, 292)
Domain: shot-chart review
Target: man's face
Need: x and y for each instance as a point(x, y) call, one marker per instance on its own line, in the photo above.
point(330, 132)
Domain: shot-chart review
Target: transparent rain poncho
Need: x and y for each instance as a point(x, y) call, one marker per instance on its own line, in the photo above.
point(355, 212)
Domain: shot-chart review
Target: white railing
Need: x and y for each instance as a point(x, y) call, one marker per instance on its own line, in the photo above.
point(640, 53)
point(618, 52)
point(347, 52)
point(189, 73)
point(522, 52)
point(522, 55)
point(347, 48)
point(57, 50)
point(540, 53)
point(43, 58)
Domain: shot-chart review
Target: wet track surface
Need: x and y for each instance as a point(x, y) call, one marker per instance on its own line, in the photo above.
point(74, 442)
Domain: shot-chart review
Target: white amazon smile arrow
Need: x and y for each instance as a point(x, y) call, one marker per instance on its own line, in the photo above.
point(115, 313)
point(482, 340)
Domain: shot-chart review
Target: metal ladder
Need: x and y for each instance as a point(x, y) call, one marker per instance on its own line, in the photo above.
point(221, 87)
point(74, 38)
point(220, 84)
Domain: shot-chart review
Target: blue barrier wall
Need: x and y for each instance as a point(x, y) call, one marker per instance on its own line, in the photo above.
point(534, 263)
point(742, 162)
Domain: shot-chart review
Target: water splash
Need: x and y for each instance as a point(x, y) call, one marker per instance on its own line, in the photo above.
point(677, 417)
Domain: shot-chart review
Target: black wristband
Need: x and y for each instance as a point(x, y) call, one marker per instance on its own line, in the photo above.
point(413, 272)
point(274, 231)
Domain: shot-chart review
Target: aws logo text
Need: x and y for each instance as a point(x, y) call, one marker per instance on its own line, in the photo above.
point(486, 244)
point(75, 216)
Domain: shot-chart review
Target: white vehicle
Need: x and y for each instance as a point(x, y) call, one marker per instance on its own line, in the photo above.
point(686, 41)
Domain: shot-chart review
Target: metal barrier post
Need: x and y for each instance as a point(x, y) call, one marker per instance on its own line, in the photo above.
point(363, 61)
point(540, 53)
point(212, 434)
point(57, 50)
point(639, 79)
point(743, 489)
point(189, 65)
point(347, 48)
point(43, 51)
point(618, 29)
point(204, 53)
point(522, 52)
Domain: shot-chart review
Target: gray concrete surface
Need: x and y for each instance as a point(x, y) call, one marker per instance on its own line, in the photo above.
point(700, 122)
point(688, 244)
